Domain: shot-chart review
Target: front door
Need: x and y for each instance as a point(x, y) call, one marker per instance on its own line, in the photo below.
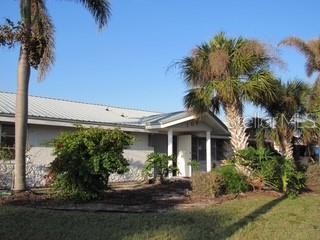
point(184, 155)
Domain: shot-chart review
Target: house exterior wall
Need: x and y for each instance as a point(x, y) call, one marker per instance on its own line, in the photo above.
point(38, 140)
point(39, 157)
point(137, 155)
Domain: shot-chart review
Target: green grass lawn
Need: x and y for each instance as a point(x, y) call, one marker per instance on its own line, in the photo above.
point(259, 218)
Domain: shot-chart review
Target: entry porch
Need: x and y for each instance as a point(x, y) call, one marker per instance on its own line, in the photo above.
point(203, 140)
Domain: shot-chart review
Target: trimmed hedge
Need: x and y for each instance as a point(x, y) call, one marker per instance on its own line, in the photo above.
point(207, 184)
point(313, 176)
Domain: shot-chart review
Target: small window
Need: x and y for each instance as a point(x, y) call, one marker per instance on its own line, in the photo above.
point(7, 142)
point(7, 136)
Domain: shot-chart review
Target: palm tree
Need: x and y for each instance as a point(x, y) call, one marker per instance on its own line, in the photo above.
point(37, 51)
point(227, 72)
point(290, 102)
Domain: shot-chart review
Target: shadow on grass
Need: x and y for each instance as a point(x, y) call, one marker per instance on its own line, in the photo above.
point(211, 223)
point(230, 230)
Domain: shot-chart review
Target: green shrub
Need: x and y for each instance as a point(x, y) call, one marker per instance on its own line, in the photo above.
point(84, 160)
point(63, 188)
point(293, 181)
point(157, 166)
point(313, 177)
point(234, 181)
point(207, 184)
point(266, 165)
point(277, 172)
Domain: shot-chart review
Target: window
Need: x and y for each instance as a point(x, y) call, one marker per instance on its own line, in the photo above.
point(7, 136)
point(199, 149)
point(7, 142)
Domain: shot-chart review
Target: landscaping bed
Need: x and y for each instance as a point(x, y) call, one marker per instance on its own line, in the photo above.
point(129, 197)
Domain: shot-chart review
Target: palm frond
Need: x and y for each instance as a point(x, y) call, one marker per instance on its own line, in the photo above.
point(310, 132)
point(191, 72)
point(260, 129)
point(10, 33)
point(290, 99)
point(299, 44)
point(305, 49)
point(313, 105)
point(43, 28)
point(100, 10)
point(198, 100)
point(260, 88)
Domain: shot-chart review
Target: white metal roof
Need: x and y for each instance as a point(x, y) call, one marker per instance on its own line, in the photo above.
point(57, 110)
point(42, 107)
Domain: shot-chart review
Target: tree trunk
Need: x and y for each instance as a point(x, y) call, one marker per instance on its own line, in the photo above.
point(21, 121)
point(22, 104)
point(288, 149)
point(239, 137)
point(285, 148)
point(237, 128)
point(277, 147)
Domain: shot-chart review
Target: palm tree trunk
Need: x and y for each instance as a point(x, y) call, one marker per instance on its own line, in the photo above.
point(288, 149)
point(277, 147)
point(22, 104)
point(237, 128)
point(285, 148)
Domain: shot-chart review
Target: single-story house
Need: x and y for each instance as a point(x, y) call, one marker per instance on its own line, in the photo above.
point(180, 133)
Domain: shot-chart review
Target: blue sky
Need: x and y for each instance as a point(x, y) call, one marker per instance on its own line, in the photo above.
point(126, 64)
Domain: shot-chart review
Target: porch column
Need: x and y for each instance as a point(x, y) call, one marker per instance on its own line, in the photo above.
point(208, 150)
point(170, 147)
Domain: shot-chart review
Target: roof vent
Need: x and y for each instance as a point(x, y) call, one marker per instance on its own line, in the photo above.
point(122, 115)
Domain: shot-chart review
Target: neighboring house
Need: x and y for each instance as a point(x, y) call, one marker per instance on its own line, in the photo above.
point(179, 133)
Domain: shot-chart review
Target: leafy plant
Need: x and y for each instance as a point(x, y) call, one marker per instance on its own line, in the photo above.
point(157, 166)
point(85, 159)
point(234, 181)
point(195, 165)
point(209, 184)
point(274, 170)
point(6, 153)
point(293, 181)
point(265, 165)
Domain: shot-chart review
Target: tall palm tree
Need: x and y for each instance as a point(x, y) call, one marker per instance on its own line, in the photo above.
point(227, 72)
point(37, 51)
point(290, 102)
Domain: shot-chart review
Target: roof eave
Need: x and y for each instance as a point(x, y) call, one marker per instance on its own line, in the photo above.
point(69, 122)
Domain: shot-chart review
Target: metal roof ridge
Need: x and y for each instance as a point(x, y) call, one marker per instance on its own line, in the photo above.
point(80, 102)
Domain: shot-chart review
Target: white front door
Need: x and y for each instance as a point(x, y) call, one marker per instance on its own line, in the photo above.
point(184, 155)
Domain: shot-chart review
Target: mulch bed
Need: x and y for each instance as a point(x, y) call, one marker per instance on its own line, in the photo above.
point(129, 198)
